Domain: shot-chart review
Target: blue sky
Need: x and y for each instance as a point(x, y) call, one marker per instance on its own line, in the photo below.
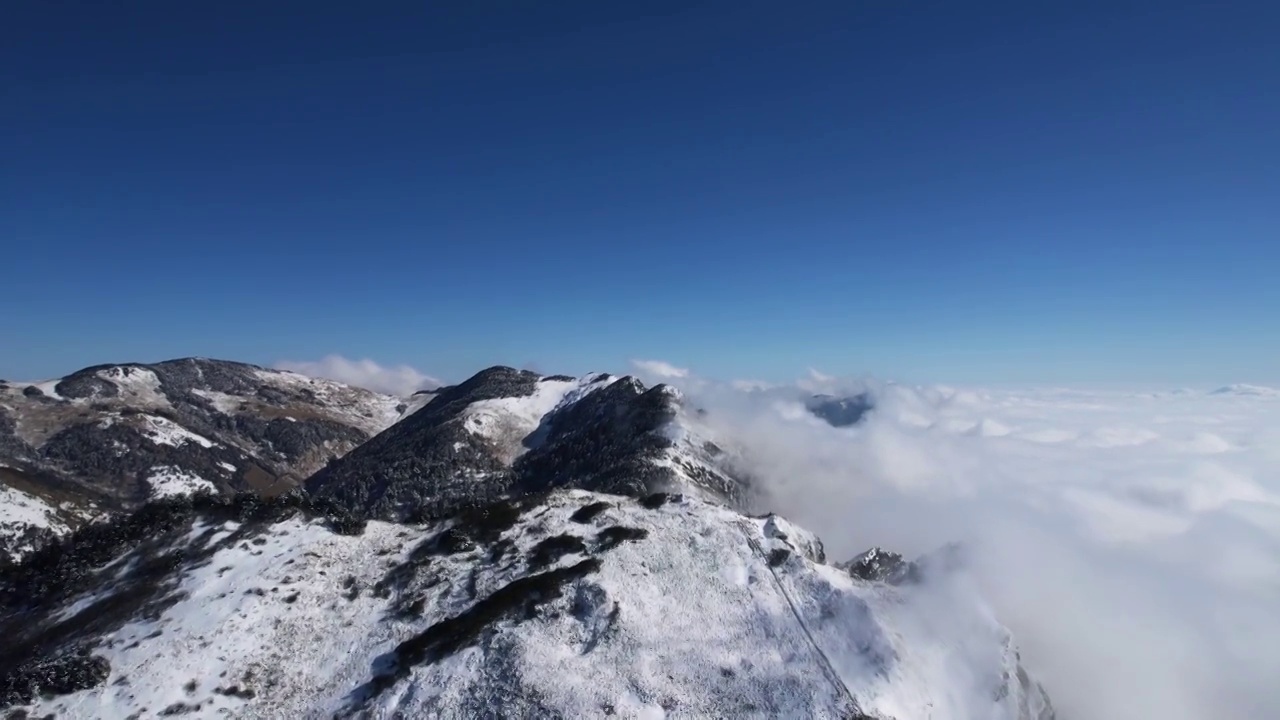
point(999, 192)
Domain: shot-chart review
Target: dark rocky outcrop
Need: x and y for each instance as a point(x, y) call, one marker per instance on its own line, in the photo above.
point(841, 411)
point(879, 565)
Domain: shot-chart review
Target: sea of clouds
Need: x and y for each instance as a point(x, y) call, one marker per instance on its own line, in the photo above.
point(1131, 540)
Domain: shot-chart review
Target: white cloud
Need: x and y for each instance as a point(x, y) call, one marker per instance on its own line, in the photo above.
point(660, 369)
point(817, 382)
point(1109, 529)
point(399, 380)
point(819, 377)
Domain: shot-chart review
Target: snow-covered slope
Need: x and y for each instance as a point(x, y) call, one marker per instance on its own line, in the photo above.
point(567, 605)
point(28, 520)
point(99, 436)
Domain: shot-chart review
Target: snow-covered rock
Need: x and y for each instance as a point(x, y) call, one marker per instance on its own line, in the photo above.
point(26, 521)
point(171, 481)
point(563, 605)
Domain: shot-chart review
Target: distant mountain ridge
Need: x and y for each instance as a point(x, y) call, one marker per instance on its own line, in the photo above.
point(1247, 390)
point(110, 437)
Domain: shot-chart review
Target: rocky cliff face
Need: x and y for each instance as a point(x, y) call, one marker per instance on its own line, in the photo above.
point(111, 437)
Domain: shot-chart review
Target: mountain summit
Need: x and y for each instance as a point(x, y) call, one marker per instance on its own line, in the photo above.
point(507, 430)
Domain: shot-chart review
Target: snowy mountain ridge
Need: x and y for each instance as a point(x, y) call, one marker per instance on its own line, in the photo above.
point(518, 546)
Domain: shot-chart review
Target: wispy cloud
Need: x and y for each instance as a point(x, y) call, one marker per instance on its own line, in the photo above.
point(660, 369)
point(395, 380)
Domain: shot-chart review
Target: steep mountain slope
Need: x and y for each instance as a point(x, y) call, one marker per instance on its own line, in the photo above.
point(563, 605)
point(112, 436)
point(508, 430)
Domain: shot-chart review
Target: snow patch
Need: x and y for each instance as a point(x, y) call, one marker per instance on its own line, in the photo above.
point(21, 511)
point(222, 402)
point(163, 431)
point(49, 388)
point(168, 481)
point(506, 422)
point(138, 387)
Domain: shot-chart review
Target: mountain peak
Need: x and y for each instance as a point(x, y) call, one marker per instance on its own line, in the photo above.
point(505, 430)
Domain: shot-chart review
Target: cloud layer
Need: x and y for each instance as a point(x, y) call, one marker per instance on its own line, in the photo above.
point(399, 380)
point(1131, 540)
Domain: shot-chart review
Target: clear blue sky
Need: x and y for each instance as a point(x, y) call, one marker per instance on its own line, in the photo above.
point(960, 192)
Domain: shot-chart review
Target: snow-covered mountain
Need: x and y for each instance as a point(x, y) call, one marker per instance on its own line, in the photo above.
point(565, 605)
point(520, 546)
point(112, 436)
